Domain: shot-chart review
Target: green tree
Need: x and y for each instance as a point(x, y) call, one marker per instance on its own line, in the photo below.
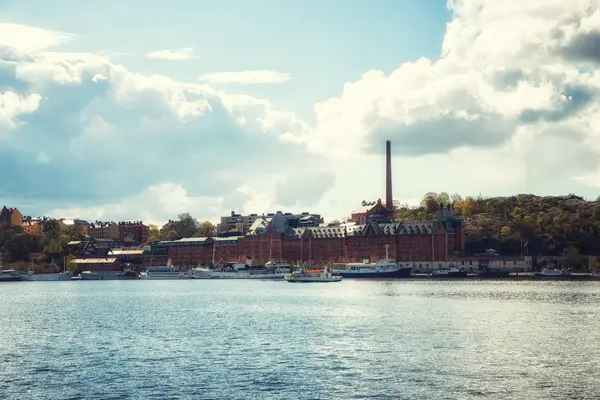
point(429, 203)
point(207, 229)
point(443, 198)
point(153, 234)
point(185, 226)
point(20, 245)
point(572, 258)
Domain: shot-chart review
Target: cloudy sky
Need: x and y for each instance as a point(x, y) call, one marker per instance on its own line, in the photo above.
point(143, 109)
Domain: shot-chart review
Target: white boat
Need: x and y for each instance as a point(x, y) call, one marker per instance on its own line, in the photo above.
point(554, 273)
point(241, 271)
point(10, 275)
point(60, 276)
point(166, 272)
point(312, 275)
point(451, 272)
point(379, 269)
point(109, 275)
point(237, 270)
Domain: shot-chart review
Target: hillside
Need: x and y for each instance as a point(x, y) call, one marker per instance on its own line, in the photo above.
point(547, 225)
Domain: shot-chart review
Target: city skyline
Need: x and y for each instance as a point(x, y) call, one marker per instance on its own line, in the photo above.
point(288, 107)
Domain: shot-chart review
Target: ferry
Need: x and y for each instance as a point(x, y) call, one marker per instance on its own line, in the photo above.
point(235, 270)
point(554, 273)
point(451, 272)
point(10, 275)
point(32, 276)
point(109, 275)
point(379, 269)
point(312, 275)
point(166, 272)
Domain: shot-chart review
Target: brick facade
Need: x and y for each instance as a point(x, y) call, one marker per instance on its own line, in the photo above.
point(272, 239)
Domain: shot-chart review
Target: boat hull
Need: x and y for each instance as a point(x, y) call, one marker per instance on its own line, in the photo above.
point(166, 277)
point(108, 277)
point(493, 274)
point(453, 274)
point(399, 273)
point(11, 279)
point(541, 276)
point(46, 277)
point(309, 279)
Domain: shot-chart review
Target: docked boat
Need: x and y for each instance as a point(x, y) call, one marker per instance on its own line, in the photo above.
point(451, 272)
point(109, 275)
point(235, 270)
point(379, 269)
point(554, 273)
point(312, 275)
point(32, 276)
point(486, 272)
point(10, 275)
point(166, 272)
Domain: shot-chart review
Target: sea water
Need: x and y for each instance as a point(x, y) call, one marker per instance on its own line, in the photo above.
point(247, 339)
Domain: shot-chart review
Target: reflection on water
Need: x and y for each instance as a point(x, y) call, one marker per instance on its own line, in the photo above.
point(248, 339)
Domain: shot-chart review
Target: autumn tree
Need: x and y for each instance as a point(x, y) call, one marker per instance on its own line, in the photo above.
point(153, 234)
point(207, 229)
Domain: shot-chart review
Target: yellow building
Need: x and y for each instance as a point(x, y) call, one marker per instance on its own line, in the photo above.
point(32, 227)
point(103, 230)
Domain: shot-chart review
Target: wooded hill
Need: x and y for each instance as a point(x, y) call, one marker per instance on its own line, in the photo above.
point(550, 225)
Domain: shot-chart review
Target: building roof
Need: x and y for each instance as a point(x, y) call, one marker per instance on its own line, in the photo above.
point(95, 260)
point(122, 252)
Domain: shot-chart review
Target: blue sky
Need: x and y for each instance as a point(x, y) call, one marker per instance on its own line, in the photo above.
point(322, 44)
point(145, 109)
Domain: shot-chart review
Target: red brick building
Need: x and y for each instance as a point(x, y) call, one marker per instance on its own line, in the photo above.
point(133, 232)
point(272, 239)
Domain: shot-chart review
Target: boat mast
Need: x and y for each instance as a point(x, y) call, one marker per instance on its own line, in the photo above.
point(213, 253)
point(271, 248)
point(387, 255)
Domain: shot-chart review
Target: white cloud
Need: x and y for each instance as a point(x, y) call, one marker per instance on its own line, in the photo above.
point(28, 39)
point(184, 54)
point(247, 77)
point(13, 105)
point(511, 106)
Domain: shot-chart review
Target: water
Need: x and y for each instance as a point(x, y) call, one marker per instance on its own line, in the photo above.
point(235, 339)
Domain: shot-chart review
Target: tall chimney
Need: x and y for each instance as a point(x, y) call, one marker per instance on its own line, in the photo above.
point(389, 202)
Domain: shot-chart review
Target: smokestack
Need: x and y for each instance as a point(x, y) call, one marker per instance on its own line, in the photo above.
point(389, 206)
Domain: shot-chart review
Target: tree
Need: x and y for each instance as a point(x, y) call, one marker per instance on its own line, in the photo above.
point(455, 197)
point(207, 229)
point(429, 203)
point(186, 225)
point(153, 234)
point(334, 222)
point(443, 198)
point(572, 258)
point(20, 245)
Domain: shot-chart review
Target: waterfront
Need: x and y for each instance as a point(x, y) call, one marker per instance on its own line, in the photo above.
point(269, 339)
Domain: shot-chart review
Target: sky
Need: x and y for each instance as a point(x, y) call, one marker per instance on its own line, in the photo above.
point(141, 110)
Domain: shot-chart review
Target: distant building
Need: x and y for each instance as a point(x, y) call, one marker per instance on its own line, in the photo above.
point(81, 224)
point(369, 211)
point(133, 232)
point(104, 230)
point(10, 217)
point(241, 223)
point(32, 226)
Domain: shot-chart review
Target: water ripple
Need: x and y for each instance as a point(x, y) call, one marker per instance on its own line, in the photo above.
point(272, 340)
